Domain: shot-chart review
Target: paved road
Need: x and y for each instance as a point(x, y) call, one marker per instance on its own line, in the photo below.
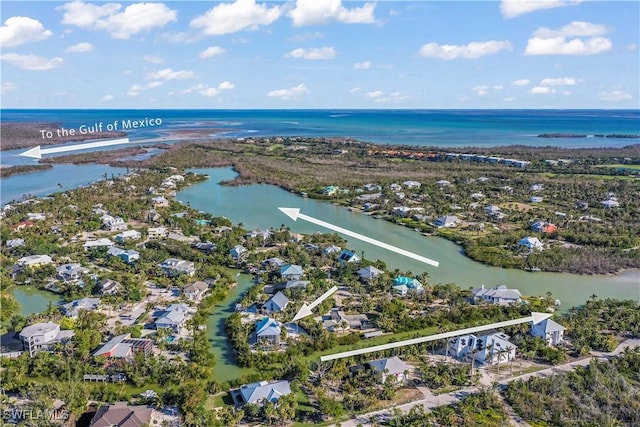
point(432, 401)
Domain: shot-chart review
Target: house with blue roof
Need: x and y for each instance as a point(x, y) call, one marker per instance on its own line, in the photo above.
point(402, 285)
point(129, 256)
point(238, 252)
point(347, 256)
point(173, 317)
point(268, 332)
point(276, 304)
point(291, 272)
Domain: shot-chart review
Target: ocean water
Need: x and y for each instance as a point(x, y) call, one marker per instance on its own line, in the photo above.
point(444, 128)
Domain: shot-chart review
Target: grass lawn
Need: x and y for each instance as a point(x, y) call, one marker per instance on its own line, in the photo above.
point(629, 167)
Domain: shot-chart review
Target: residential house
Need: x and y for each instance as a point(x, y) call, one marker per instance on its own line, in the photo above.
point(391, 367)
point(125, 347)
point(206, 247)
point(338, 319)
point(128, 235)
point(582, 205)
point(395, 187)
point(311, 247)
point(536, 199)
point(499, 295)
point(121, 415)
point(443, 183)
point(196, 290)
point(531, 243)
point(14, 243)
point(404, 211)
point(276, 303)
point(369, 273)
point(347, 256)
point(332, 249)
point(446, 221)
point(411, 184)
point(549, 330)
point(494, 211)
point(97, 244)
point(151, 215)
point(238, 252)
point(109, 287)
point(129, 256)
point(610, 203)
point(265, 234)
point(291, 272)
point(259, 393)
point(291, 284)
point(490, 348)
point(372, 187)
point(37, 216)
point(175, 266)
point(42, 337)
point(173, 317)
point(157, 232)
point(268, 332)
point(159, 202)
point(537, 187)
point(34, 261)
point(273, 262)
point(72, 309)
point(543, 227)
point(222, 229)
point(330, 190)
point(402, 285)
point(113, 223)
point(73, 271)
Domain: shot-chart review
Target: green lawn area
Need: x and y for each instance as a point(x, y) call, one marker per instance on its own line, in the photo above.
point(218, 400)
point(630, 167)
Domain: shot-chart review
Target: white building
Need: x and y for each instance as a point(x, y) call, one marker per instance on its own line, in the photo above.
point(490, 348)
point(34, 261)
point(499, 295)
point(42, 336)
point(531, 243)
point(552, 332)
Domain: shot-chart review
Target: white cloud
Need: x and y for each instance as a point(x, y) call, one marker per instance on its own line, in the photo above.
point(381, 97)
point(314, 12)
point(365, 65)
point(7, 87)
point(513, 8)
point(32, 62)
point(169, 74)
point(498, 87)
point(509, 99)
point(313, 53)
point(354, 90)
point(80, 48)
point(153, 59)
point(227, 18)
point(521, 82)
point(211, 51)
point(615, 95)
point(573, 29)
point(291, 93)
point(542, 90)
point(135, 18)
point(562, 81)
point(135, 90)
point(107, 98)
point(575, 38)
point(472, 50)
point(19, 30)
point(480, 90)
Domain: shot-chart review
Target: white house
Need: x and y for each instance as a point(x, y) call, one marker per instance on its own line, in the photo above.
point(42, 336)
point(73, 271)
point(392, 367)
point(128, 235)
point(34, 261)
point(268, 332)
point(291, 272)
point(157, 232)
point(72, 309)
point(113, 223)
point(173, 317)
point(109, 287)
point(552, 332)
point(238, 252)
point(196, 290)
point(491, 348)
point(262, 392)
point(99, 243)
point(348, 256)
point(369, 272)
point(531, 243)
point(499, 295)
point(175, 266)
point(411, 184)
point(402, 285)
point(446, 221)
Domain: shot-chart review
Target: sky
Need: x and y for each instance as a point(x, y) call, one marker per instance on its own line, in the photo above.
point(306, 54)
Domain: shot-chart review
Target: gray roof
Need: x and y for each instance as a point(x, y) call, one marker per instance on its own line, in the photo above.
point(264, 391)
point(393, 365)
point(369, 272)
point(73, 308)
point(499, 291)
point(551, 326)
point(291, 270)
point(38, 329)
point(280, 300)
point(121, 415)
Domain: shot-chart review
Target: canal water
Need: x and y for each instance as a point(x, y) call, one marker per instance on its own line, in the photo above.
point(256, 206)
point(33, 300)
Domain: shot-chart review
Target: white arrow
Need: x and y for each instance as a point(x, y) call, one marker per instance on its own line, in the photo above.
point(37, 152)
point(294, 214)
point(535, 318)
point(305, 310)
